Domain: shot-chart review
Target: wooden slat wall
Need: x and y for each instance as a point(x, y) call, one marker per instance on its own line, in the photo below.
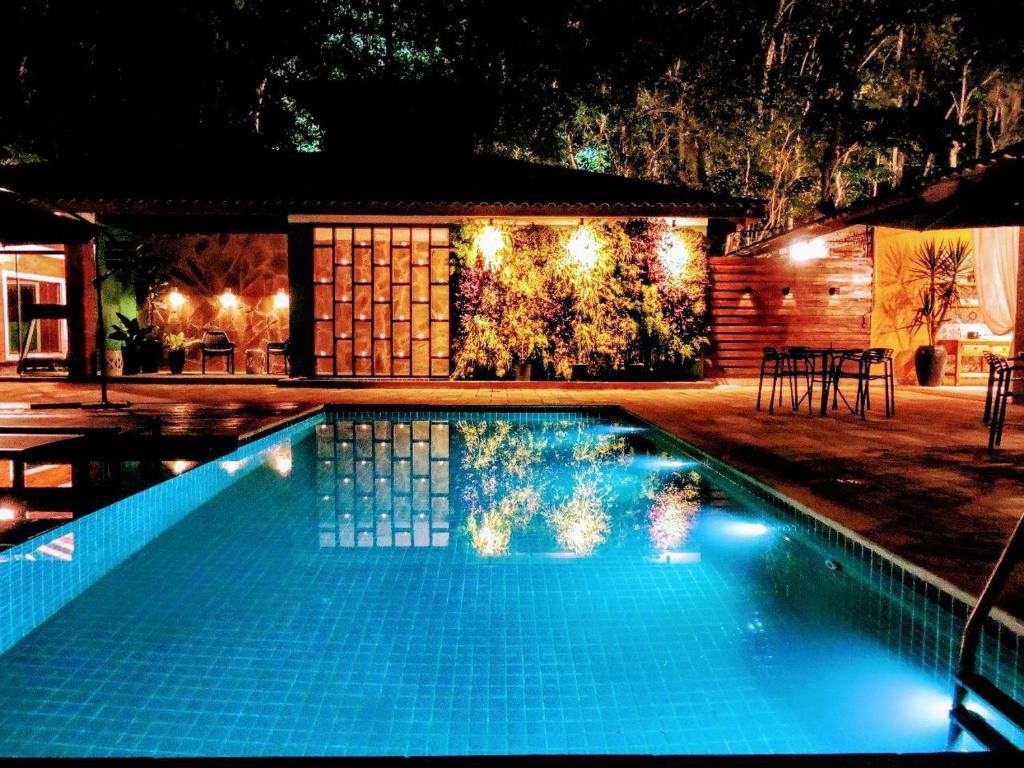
point(742, 324)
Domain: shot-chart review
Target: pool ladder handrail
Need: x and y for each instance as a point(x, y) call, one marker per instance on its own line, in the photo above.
point(968, 679)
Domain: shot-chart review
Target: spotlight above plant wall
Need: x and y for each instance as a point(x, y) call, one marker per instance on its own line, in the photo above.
point(490, 243)
point(674, 254)
point(583, 248)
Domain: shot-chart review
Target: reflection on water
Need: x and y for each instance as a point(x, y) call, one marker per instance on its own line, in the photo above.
point(504, 487)
point(382, 483)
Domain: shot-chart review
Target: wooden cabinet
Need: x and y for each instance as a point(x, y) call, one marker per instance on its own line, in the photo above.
point(966, 364)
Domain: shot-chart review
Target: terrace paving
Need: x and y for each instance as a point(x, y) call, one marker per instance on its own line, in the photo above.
point(921, 484)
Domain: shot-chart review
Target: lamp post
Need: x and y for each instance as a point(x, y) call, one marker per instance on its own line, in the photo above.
point(101, 337)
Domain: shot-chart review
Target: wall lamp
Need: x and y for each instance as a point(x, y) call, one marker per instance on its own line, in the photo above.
point(833, 291)
point(786, 292)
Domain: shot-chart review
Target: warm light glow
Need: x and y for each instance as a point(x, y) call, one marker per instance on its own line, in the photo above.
point(583, 248)
point(674, 255)
point(175, 299)
point(805, 250)
point(280, 459)
point(228, 300)
point(233, 465)
point(178, 466)
point(490, 242)
point(8, 513)
point(281, 299)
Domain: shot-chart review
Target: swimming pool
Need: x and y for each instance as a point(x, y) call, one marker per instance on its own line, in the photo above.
point(450, 583)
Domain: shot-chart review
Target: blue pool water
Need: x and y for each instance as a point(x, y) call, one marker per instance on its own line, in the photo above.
point(458, 583)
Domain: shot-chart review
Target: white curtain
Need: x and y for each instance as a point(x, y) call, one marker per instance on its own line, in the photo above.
point(995, 271)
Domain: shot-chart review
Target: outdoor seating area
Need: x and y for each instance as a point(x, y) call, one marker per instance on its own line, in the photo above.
point(800, 369)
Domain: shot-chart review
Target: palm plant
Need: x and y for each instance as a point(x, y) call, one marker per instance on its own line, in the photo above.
point(939, 268)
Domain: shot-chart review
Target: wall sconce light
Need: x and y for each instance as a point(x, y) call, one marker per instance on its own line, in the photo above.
point(228, 300)
point(747, 291)
point(833, 291)
point(175, 299)
point(805, 250)
point(281, 299)
point(787, 293)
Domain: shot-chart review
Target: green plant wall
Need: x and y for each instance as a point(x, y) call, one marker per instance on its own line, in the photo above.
point(634, 292)
point(118, 296)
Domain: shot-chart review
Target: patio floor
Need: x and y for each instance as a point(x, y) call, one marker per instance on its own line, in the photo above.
point(920, 484)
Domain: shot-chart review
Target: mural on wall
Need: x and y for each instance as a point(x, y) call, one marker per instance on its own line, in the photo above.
point(236, 283)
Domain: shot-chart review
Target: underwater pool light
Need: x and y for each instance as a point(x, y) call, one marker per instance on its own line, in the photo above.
point(737, 528)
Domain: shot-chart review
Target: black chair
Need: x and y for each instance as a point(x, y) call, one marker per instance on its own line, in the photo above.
point(996, 363)
point(869, 360)
point(860, 366)
point(217, 344)
point(785, 367)
point(802, 363)
point(1005, 379)
point(771, 362)
point(279, 348)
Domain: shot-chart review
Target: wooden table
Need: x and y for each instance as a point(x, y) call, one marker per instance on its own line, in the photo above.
point(21, 448)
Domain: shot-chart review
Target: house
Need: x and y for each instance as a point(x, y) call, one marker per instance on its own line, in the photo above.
point(345, 255)
point(33, 236)
point(847, 280)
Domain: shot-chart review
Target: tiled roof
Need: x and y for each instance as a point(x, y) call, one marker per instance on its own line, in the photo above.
point(282, 184)
point(984, 192)
point(24, 220)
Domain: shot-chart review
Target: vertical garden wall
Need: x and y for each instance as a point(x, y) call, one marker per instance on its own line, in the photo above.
point(602, 300)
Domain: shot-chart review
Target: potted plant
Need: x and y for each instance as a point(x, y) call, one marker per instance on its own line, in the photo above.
point(938, 269)
point(177, 345)
point(133, 338)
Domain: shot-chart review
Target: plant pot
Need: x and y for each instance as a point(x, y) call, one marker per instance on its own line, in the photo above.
point(113, 362)
point(636, 372)
point(150, 356)
point(693, 369)
point(176, 360)
point(523, 371)
point(930, 364)
point(130, 357)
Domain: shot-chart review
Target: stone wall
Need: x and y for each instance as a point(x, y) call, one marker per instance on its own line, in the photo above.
point(254, 267)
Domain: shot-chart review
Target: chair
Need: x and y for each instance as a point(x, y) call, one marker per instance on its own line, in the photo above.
point(1004, 380)
point(869, 360)
point(996, 363)
point(217, 344)
point(864, 373)
point(279, 348)
point(783, 366)
point(802, 362)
